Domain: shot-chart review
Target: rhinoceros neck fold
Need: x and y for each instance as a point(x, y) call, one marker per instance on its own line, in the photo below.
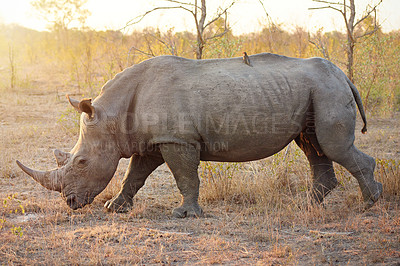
point(118, 100)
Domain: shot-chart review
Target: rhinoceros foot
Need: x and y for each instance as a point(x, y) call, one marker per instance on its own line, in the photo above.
point(186, 210)
point(370, 201)
point(117, 204)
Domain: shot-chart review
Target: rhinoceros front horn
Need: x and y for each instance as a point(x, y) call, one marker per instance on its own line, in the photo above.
point(49, 179)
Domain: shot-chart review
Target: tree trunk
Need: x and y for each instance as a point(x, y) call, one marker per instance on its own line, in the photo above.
point(350, 25)
point(200, 28)
point(200, 46)
point(350, 39)
point(350, 58)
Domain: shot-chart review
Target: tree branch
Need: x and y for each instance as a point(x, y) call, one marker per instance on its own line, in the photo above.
point(226, 29)
point(367, 33)
point(143, 52)
point(169, 47)
point(376, 27)
point(343, 12)
point(321, 49)
point(219, 15)
point(368, 14)
point(325, 7)
point(148, 43)
point(141, 17)
point(180, 3)
point(328, 2)
point(266, 13)
point(331, 3)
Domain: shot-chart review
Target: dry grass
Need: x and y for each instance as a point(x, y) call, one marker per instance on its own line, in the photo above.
point(388, 172)
point(258, 212)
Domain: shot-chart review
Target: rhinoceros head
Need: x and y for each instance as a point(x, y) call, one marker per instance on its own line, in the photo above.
point(85, 171)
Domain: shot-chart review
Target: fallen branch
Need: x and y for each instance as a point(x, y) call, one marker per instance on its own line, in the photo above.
point(330, 233)
point(169, 232)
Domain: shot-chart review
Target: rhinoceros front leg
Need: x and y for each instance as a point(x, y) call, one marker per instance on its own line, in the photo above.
point(140, 167)
point(183, 161)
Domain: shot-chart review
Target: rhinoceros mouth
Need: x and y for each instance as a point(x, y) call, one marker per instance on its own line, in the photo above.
point(75, 202)
point(71, 202)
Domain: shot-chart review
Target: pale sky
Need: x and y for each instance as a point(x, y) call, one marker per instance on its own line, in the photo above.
point(245, 16)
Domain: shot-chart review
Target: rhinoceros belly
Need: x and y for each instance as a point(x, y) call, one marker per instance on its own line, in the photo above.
point(245, 137)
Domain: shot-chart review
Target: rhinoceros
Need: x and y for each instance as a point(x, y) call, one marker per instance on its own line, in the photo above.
point(180, 111)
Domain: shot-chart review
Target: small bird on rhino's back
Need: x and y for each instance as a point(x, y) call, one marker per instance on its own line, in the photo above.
point(246, 59)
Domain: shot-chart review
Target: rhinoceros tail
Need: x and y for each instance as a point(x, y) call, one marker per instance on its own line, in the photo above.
point(360, 106)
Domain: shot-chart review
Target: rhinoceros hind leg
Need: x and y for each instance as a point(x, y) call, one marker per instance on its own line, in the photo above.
point(335, 133)
point(183, 161)
point(324, 180)
point(140, 167)
point(362, 166)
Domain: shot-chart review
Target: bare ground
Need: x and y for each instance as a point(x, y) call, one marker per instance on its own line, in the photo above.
point(37, 227)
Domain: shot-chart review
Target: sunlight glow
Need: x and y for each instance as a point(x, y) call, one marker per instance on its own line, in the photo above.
point(245, 16)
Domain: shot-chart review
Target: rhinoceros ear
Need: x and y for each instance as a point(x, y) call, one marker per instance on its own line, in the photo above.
point(84, 105)
point(61, 157)
point(73, 102)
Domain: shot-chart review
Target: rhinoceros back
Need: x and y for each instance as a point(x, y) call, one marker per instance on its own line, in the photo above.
point(235, 112)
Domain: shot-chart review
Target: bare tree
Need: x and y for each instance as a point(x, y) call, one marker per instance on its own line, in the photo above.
point(319, 43)
point(13, 66)
point(60, 14)
point(270, 22)
point(349, 15)
point(167, 40)
point(199, 13)
point(271, 27)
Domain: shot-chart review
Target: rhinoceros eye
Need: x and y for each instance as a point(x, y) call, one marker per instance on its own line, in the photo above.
point(82, 161)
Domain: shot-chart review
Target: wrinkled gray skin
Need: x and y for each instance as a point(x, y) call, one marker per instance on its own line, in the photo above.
point(180, 111)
